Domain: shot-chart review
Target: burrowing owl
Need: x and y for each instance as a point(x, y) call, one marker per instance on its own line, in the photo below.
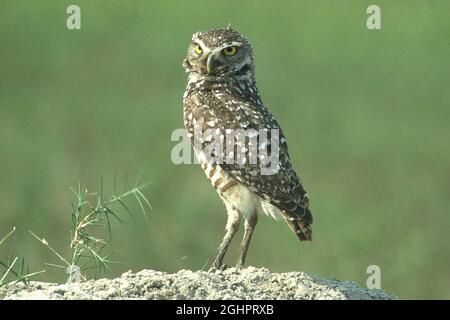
point(221, 97)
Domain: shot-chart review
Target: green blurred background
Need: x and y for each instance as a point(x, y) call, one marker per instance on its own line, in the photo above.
point(366, 114)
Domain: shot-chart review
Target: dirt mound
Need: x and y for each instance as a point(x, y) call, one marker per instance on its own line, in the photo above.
point(232, 283)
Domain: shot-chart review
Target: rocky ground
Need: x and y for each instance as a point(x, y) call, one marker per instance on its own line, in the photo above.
point(249, 283)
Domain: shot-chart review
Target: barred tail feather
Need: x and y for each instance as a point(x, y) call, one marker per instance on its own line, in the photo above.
point(300, 224)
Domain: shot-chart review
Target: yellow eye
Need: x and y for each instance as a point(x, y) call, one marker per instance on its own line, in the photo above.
point(229, 51)
point(198, 50)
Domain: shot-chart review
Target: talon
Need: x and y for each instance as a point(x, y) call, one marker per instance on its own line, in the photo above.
point(216, 266)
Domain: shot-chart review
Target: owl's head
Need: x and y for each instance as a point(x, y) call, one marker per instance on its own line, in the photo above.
point(219, 52)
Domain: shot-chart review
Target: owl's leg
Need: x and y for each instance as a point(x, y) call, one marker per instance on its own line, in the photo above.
point(232, 227)
point(250, 224)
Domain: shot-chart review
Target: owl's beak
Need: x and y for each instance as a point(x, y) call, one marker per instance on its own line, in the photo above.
point(212, 63)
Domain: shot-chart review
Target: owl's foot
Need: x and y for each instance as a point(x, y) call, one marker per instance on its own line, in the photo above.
point(216, 267)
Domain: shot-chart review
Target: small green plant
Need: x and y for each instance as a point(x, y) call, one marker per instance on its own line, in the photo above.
point(14, 269)
point(92, 214)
